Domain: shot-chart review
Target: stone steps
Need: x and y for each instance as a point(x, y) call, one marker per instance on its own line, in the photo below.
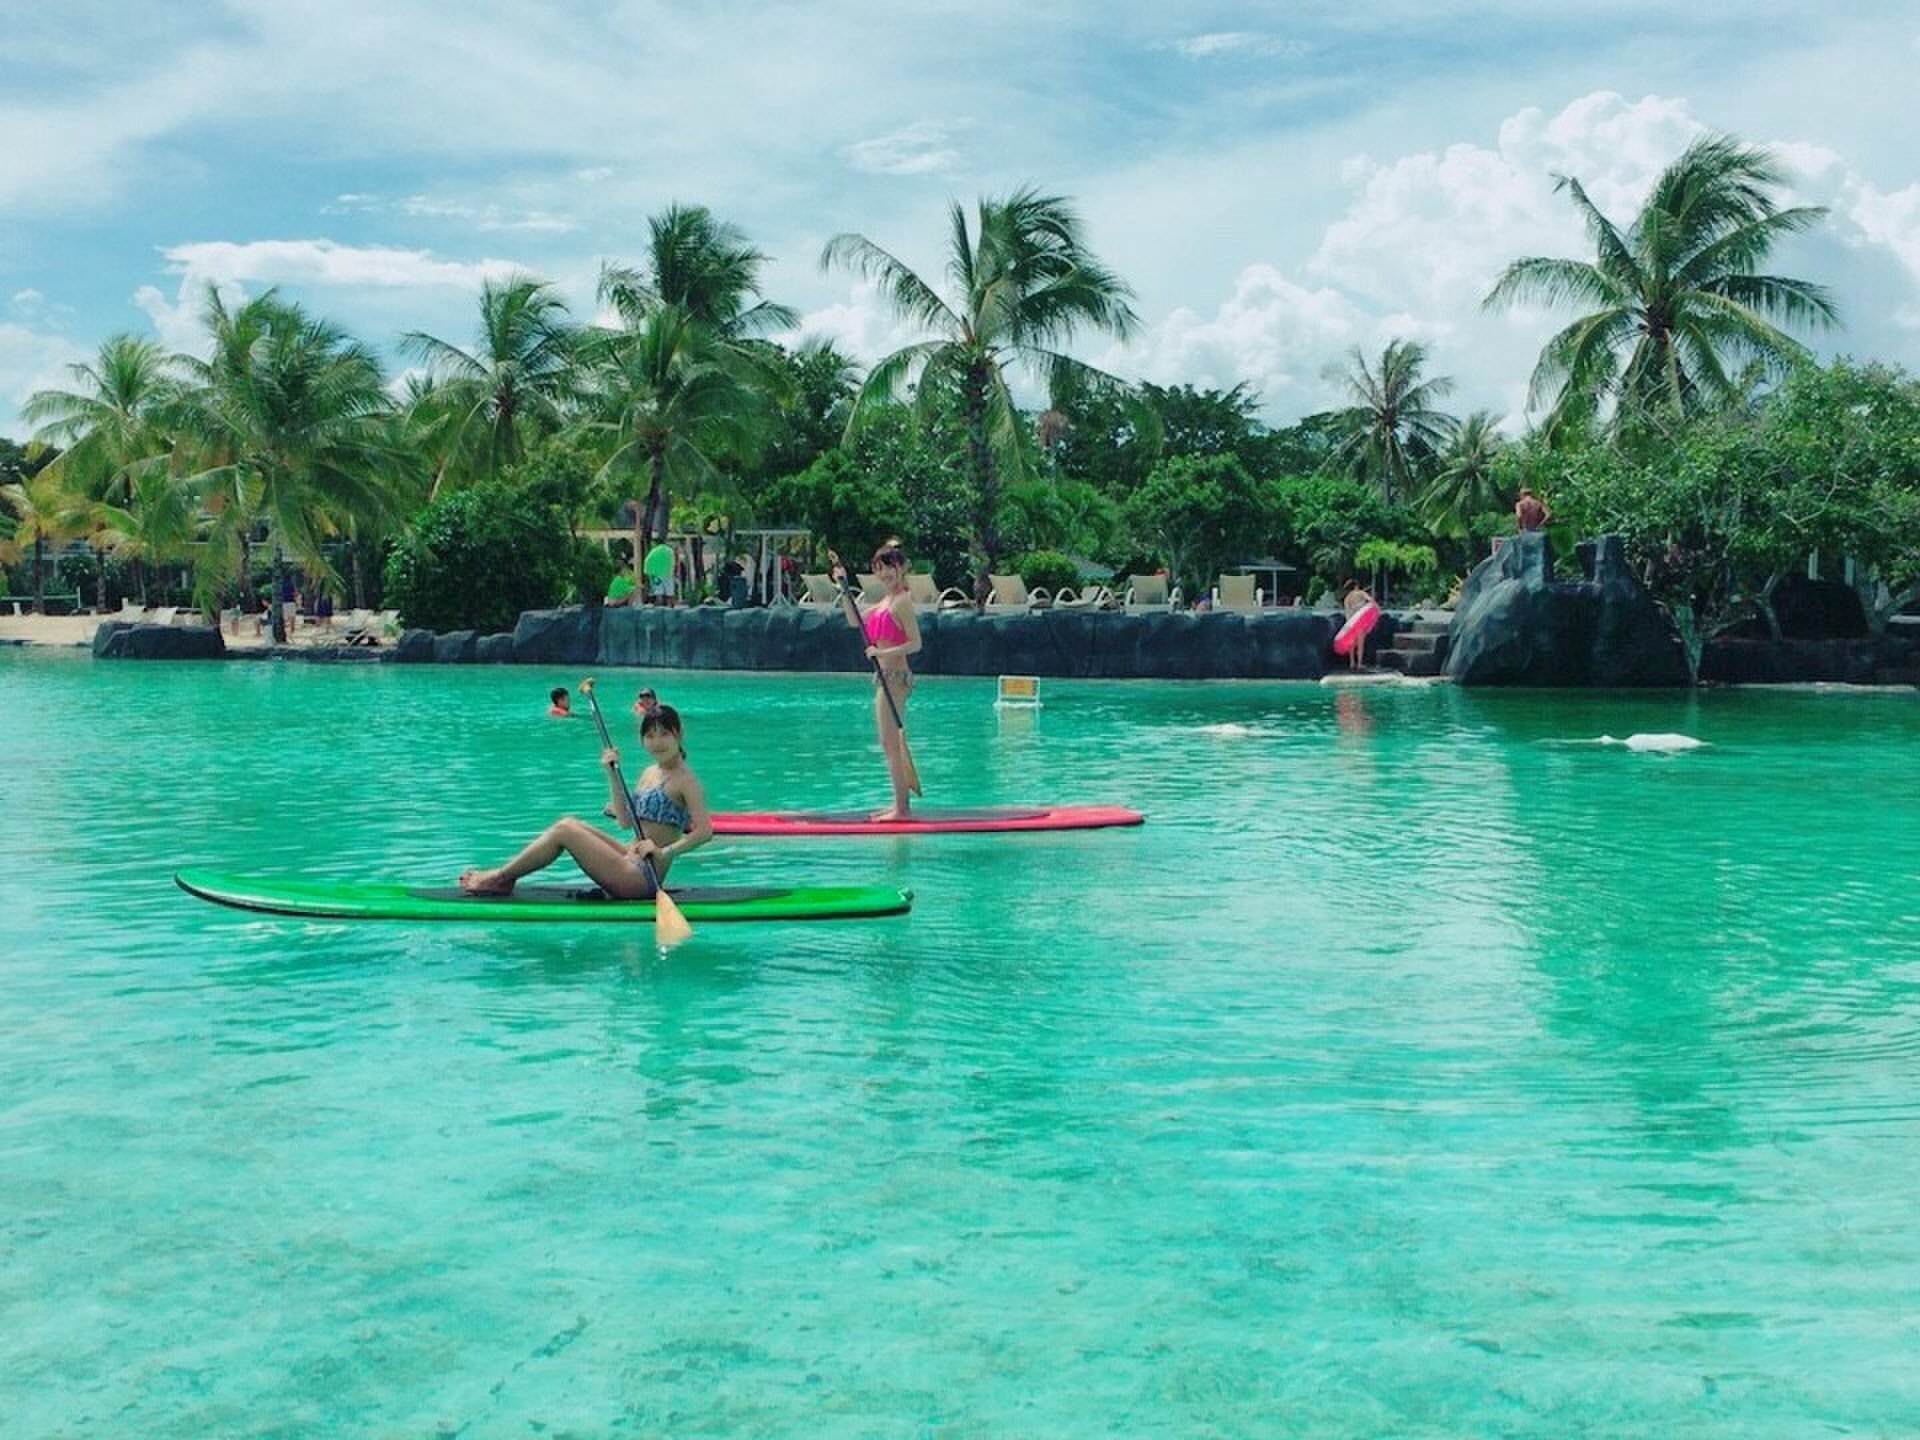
point(1419, 649)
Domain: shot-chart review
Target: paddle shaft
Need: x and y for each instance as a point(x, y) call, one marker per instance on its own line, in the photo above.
point(606, 743)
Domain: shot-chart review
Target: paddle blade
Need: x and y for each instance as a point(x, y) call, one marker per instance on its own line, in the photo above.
point(913, 772)
point(670, 927)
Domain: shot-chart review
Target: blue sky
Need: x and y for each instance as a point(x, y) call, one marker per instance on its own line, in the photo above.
point(1279, 182)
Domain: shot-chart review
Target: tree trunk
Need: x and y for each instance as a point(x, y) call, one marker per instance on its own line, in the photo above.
point(279, 614)
point(656, 500)
point(39, 575)
point(986, 487)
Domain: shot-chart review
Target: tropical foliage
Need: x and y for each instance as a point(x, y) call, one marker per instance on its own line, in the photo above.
point(1677, 306)
point(1675, 410)
point(1023, 283)
point(1392, 429)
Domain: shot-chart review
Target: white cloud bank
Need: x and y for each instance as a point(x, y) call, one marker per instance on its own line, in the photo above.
point(231, 267)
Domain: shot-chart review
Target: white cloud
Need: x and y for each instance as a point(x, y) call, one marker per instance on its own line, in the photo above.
point(31, 360)
point(1272, 332)
point(1241, 42)
point(863, 325)
point(594, 174)
point(231, 267)
point(1886, 218)
point(922, 149)
point(325, 262)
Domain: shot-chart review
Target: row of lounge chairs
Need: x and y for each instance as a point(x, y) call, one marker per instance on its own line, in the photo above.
point(351, 623)
point(1142, 595)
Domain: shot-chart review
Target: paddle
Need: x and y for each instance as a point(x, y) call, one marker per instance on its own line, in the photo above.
point(846, 597)
point(670, 927)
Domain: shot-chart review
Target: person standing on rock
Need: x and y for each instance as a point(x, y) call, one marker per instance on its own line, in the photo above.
point(1530, 512)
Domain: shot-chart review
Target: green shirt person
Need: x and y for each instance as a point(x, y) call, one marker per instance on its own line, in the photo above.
point(620, 589)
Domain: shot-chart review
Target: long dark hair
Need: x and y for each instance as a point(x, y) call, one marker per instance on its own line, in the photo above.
point(664, 718)
point(890, 552)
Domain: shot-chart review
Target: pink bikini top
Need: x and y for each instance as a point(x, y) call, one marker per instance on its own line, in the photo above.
point(881, 628)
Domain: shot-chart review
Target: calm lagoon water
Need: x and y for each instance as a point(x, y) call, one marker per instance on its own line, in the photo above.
point(1414, 1071)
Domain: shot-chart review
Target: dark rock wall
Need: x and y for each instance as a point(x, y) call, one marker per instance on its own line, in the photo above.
point(123, 640)
point(1517, 625)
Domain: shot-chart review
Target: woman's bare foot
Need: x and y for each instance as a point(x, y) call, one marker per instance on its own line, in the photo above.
point(484, 882)
point(890, 815)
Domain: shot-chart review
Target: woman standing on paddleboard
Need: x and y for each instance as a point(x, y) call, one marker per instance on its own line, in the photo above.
point(667, 808)
point(892, 634)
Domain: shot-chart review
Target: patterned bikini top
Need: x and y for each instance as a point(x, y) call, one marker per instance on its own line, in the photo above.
point(652, 803)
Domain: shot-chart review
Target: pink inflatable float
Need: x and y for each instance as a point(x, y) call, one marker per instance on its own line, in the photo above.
point(1357, 627)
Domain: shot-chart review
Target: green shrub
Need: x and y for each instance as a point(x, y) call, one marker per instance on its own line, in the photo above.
point(592, 571)
point(476, 558)
point(1047, 569)
point(841, 504)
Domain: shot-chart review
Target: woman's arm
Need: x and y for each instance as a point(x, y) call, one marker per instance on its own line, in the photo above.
point(837, 572)
point(699, 822)
point(620, 807)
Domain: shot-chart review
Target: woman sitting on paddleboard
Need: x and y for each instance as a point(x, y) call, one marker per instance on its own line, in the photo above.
point(892, 635)
point(667, 802)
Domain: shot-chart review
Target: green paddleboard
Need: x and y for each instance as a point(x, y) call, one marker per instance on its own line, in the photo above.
point(352, 900)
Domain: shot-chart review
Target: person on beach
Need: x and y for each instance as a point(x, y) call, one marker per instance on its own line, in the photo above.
point(667, 811)
point(559, 703)
point(1530, 512)
point(892, 633)
point(1354, 597)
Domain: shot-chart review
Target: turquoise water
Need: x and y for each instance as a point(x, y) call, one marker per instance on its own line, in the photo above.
point(1412, 1072)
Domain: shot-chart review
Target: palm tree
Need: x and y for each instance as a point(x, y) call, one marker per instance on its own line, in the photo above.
point(702, 266)
point(288, 424)
point(43, 512)
point(671, 402)
point(1392, 427)
point(485, 404)
point(110, 435)
point(156, 522)
point(1464, 485)
point(1676, 301)
point(690, 382)
point(1023, 283)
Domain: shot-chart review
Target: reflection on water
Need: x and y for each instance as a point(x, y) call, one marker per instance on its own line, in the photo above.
point(1408, 1070)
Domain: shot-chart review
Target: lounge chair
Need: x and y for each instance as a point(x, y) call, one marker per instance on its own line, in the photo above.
point(162, 614)
point(1010, 592)
point(822, 593)
point(1149, 595)
point(1094, 597)
point(872, 592)
point(1238, 594)
point(925, 597)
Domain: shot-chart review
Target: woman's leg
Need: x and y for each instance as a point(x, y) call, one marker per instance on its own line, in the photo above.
point(600, 855)
point(893, 744)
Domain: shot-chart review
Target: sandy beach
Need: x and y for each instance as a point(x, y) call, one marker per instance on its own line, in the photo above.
point(77, 630)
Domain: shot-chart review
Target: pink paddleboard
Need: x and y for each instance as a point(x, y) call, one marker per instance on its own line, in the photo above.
point(930, 821)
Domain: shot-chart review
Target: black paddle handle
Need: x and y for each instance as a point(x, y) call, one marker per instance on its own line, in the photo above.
point(846, 594)
point(606, 743)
